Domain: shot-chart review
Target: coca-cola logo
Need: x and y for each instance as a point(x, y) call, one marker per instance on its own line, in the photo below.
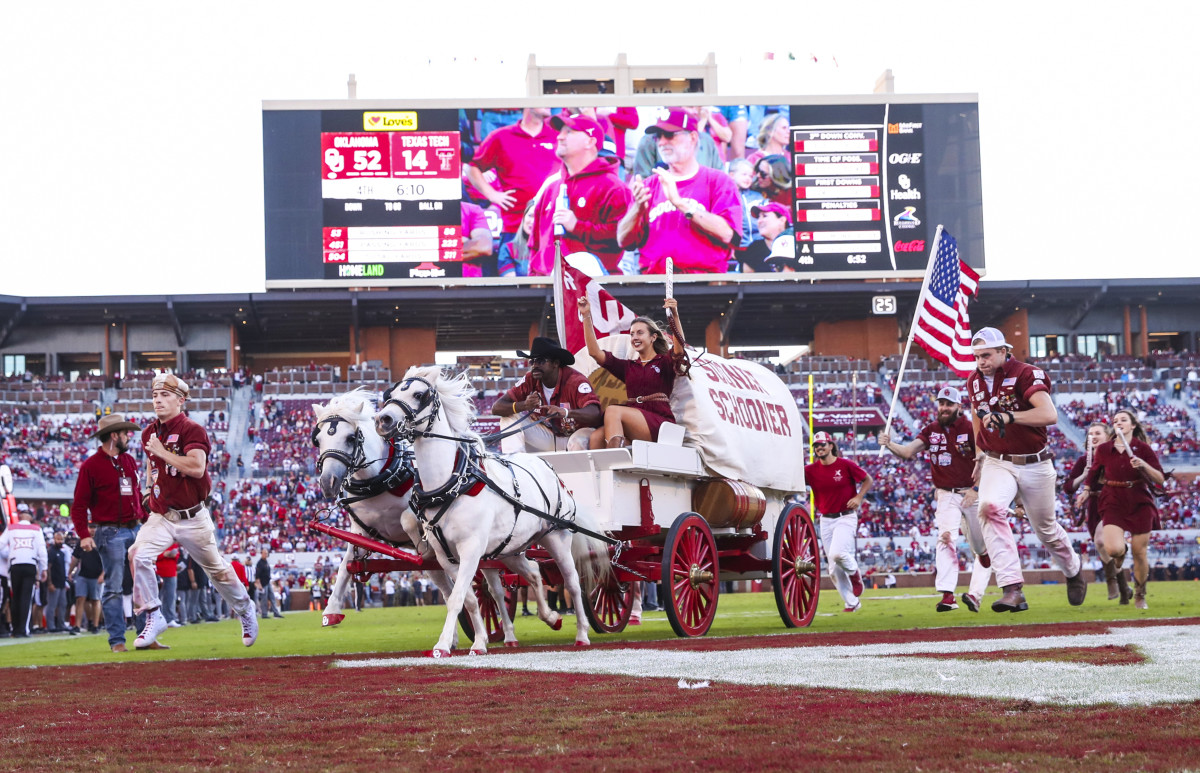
point(916, 245)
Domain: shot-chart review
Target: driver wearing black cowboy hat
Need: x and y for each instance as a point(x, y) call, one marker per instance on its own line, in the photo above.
point(550, 388)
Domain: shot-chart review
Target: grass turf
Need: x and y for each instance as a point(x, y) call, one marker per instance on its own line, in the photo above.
point(416, 628)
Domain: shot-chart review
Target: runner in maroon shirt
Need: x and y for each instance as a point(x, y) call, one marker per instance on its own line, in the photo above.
point(649, 379)
point(839, 486)
point(177, 451)
point(951, 445)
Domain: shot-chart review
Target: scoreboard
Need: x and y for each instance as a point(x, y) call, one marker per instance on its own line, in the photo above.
point(375, 196)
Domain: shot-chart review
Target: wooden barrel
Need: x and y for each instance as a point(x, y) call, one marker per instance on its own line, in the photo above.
point(729, 503)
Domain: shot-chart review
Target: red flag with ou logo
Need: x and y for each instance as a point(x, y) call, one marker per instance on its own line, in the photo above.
point(609, 316)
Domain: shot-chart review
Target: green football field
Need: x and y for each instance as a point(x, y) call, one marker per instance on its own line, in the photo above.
point(417, 628)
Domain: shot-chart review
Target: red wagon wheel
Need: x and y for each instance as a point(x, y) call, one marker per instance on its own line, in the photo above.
point(607, 605)
point(796, 567)
point(690, 576)
point(488, 610)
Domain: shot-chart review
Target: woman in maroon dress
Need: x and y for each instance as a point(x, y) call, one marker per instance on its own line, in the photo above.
point(649, 378)
point(1098, 434)
point(1123, 470)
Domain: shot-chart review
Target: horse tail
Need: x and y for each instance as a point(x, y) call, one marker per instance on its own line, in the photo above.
point(591, 556)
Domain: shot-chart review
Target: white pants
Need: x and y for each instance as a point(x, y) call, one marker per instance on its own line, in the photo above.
point(838, 539)
point(950, 516)
point(1000, 483)
point(197, 536)
point(980, 575)
point(538, 438)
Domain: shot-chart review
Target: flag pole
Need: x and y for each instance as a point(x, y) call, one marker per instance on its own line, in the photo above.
point(812, 497)
point(912, 331)
point(560, 314)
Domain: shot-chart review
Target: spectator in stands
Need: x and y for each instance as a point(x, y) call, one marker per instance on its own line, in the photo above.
point(650, 154)
point(773, 179)
point(777, 250)
point(523, 156)
point(774, 138)
point(552, 389)
point(514, 255)
point(477, 246)
point(688, 212)
point(107, 511)
point(594, 196)
point(741, 172)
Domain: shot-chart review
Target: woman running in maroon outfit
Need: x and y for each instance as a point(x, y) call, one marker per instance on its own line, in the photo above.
point(1128, 467)
point(648, 379)
point(1097, 434)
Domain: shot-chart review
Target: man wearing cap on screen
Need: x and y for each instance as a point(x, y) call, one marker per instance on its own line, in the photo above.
point(687, 212)
point(177, 450)
point(596, 198)
point(553, 389)
point(1013, 407)
point(950, 441)
point(107, 511)
point(838, 486)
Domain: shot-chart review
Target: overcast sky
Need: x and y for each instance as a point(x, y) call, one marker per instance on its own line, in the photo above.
point(133, 143)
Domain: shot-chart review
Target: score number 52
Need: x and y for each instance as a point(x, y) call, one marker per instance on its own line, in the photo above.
point(360, 160)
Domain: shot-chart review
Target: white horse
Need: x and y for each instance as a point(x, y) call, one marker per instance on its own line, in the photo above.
point(476, 505)
point(372, 480)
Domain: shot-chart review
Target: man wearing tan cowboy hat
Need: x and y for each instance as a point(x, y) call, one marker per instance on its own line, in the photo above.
point(553, 389)
point(107, 511)
point(177, 450)
point(1012, 408)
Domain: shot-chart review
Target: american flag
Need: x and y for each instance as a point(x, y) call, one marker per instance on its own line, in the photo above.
point(942, 326)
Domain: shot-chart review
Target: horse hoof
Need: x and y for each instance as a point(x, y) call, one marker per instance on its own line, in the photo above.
point(634, 620)
point(583, 644)
point(512, 644)
point(556, 625)
point(328, 621)
point(477, 652)
point(438, 653)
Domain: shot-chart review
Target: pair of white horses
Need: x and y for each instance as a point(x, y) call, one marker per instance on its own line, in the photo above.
point(434, 412)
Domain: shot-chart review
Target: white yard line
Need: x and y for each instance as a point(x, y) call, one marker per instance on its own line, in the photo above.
point(1170, 675)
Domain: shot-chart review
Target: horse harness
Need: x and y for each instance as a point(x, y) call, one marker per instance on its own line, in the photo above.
point(397, 476)
point(469, 479)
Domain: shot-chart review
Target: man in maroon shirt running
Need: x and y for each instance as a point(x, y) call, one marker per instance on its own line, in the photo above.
point(839, 486)
point(107, 511)
point(951, 444)
point(177, 451)
point(1013, 407)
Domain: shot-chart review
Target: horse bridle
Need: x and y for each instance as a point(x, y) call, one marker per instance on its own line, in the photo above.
point(410, 429)
point(355, 460)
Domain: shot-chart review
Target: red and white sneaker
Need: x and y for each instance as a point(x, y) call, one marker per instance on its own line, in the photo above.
point(971, 602)
point(856, 584)
point(249, 622)
point(947, 604)
point(155, 625)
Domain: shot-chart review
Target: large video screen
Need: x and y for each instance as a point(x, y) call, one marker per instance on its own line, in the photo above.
point(790, 190)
